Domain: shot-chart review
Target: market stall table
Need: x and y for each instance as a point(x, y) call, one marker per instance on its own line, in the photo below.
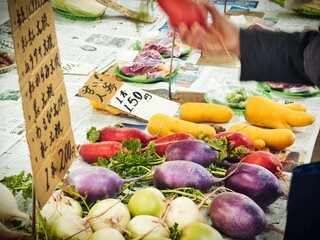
point(99, 44)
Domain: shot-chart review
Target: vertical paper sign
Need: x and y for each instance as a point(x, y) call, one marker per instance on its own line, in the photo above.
point(45, 104)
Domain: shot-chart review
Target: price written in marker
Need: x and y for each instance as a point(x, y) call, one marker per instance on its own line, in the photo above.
point(46, 111)
point(142, 104)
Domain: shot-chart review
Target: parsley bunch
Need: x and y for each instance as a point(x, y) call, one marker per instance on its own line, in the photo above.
point(21, 182)
point(133, 162)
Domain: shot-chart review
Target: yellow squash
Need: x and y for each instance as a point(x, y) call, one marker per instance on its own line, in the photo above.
point(163, 125)
point(264, 112)
point(205, 112)
point(277, 139)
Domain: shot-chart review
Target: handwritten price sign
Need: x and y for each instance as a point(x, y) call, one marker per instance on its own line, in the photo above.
point(45, 104)
point(108, 90)
point(141, 103)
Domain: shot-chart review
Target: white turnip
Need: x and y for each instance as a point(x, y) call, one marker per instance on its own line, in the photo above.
point(58, 205)
point(182, 210)
point(147, 201)
point(199, 231)
point(146, 227)
point(107, 234)
point(71, 227)
point(109, 213)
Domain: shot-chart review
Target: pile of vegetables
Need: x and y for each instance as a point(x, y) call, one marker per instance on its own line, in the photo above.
point(169, 181)
point(142, 195)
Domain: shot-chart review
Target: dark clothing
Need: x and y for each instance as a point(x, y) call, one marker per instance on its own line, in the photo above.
point(303, 207)
point(280, 56)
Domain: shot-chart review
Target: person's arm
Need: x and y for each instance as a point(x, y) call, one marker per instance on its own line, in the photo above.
point(264, 55)
point(279, 56)
point(312, 60)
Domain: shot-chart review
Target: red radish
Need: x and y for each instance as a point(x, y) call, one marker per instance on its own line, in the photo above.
point(125, 133)
point(162, 143)
point(183, 11)
point(90, 152)
point(266, 160)
point(237, 138)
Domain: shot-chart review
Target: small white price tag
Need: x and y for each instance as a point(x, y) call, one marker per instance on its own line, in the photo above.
point(141, 103)
point(77, 68)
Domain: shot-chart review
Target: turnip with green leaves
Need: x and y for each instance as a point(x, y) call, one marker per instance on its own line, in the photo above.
point(180, 173)
point(192, 150)
point(238, 216)
point(255, 181)
point(96, 183)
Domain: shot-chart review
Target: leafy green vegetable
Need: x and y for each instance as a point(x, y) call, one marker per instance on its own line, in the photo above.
point(134, 162)
point(90, 8)
point(21, 182)
point(216, 171)
point(194, 194)
point(175, 234)
point(93, 135)
point(226, 150)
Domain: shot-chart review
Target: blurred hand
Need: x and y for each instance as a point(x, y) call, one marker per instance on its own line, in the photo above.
point(220, 36)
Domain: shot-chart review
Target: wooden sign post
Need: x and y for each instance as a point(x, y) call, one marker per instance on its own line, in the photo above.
point(45, 104)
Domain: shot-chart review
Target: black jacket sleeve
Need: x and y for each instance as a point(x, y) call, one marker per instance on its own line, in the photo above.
point(280, 56)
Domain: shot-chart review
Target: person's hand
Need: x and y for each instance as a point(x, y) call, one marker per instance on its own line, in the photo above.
point(219, 36)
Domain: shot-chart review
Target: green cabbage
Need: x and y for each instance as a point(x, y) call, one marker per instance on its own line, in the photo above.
point(90, 8)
